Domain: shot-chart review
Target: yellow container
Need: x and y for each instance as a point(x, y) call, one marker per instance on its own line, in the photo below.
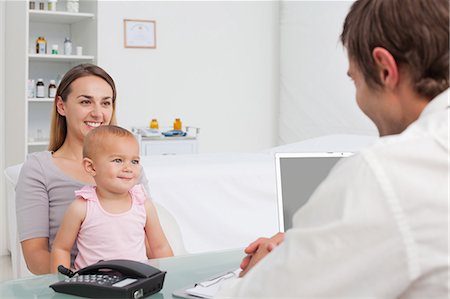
point(154, 124)
point(41, 45)
point(177, 124)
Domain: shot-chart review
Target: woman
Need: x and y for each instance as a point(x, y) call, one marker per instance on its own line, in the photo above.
point(85, 99)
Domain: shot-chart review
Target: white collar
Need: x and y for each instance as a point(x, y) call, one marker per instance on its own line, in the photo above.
point(441, 102)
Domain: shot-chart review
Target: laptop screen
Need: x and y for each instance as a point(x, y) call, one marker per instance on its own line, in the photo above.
point(298, 175)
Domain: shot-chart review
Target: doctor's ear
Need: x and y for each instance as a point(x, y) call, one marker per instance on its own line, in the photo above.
point(88, 165)
point(387, 67)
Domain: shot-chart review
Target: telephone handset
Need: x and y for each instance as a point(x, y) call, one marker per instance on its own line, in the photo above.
point(112, 279)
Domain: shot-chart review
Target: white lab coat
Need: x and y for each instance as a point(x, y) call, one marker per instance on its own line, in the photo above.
point(377, 227)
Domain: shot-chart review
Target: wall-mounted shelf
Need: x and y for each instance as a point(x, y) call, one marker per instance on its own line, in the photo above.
point(40, 100)
point(62, 58)
point(59, 17)
point(27, 120)
point(38, 143)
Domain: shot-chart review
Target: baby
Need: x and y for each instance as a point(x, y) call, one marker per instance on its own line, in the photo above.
point(112, 219)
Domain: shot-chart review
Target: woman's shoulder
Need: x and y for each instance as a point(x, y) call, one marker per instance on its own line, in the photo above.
point(42, 158)
point(37, 161)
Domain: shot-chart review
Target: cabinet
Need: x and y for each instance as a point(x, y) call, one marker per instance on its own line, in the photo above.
point(168, 145)
point(27, 120)
point(155, 143)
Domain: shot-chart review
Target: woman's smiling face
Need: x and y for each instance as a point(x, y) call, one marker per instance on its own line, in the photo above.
point(88, 105)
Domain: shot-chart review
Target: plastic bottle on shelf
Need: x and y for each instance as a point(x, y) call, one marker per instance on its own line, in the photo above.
point(32, 4)
point(177, 124)
point(51, 5)
point(41, 4)
point(52, 89)
point(40, 88)
point(41, 45)
point(31, 88)
point(54, 49)
point(154, 124)
point(73, 6)
point(67, 46)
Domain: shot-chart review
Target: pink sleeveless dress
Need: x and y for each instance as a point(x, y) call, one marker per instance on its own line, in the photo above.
point(106, 236)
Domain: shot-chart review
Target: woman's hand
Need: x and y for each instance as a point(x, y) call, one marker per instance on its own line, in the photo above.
point(257, 250)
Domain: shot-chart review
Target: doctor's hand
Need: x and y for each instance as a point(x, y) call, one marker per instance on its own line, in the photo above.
point(257, 250)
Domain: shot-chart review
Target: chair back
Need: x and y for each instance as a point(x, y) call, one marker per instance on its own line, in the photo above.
point(19, 267)
point(171, 230)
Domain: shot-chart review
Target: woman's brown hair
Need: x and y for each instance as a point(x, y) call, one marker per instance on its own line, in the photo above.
point(58, 127)
point(415, 32)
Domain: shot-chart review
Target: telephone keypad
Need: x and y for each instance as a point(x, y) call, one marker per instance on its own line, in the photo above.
point(102, 279)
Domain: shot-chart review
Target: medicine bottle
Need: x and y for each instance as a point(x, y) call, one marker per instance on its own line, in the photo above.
point(52, 89)
point(51, 5)
point(41, 5)
point(41, 45)
point(40, 88)
point(54, 49)
point(32, 4)
point(72, 5)
point(154, 124)
point(177, 124)
point(31, 88)
point(67, 46)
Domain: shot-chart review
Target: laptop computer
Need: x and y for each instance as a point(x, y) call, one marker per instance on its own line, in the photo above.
point(298, 175)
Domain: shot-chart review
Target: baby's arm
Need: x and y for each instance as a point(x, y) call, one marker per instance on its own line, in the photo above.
point(67, 234)
point(159, 246)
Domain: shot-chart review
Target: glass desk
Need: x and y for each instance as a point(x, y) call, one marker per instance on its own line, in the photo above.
point(182, 271)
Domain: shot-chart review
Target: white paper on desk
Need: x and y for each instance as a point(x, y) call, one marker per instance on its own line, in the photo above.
point(209, 288)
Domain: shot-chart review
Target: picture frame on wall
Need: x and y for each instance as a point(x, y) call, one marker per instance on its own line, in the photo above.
point(139, 33)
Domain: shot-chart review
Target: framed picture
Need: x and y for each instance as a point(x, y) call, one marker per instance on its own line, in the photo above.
point(139, 34)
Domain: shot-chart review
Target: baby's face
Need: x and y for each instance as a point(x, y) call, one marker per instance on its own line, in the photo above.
point(117, 164)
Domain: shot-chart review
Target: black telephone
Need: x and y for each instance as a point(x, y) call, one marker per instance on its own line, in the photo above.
point(112, 279)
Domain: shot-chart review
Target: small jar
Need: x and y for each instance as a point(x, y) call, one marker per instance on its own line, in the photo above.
point(41, 5)
point(154, 124)
point(32, 4)
point(54, 49)
point(177, 124)
point(73, 6)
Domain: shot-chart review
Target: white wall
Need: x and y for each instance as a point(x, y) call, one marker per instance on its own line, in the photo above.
point(316, 96)
point(216, 66)
point(2, 130)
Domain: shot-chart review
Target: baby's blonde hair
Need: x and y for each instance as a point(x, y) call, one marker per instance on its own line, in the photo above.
point(95, 138)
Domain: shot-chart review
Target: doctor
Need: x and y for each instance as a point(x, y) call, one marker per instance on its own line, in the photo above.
point(378, 225)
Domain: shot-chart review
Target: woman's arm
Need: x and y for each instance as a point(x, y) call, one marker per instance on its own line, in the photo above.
point(144, 182)
point(67, 234)
point(159, 246)
point(32, 211)
point(37, 255)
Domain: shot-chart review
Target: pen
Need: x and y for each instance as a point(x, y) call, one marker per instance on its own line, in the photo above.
point(215, 280)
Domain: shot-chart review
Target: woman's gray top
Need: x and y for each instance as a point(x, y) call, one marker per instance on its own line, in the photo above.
point(43, 193)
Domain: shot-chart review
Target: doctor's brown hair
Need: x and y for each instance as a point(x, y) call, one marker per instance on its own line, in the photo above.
point(58, 127)
point(415, 32)
point(94, 140)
